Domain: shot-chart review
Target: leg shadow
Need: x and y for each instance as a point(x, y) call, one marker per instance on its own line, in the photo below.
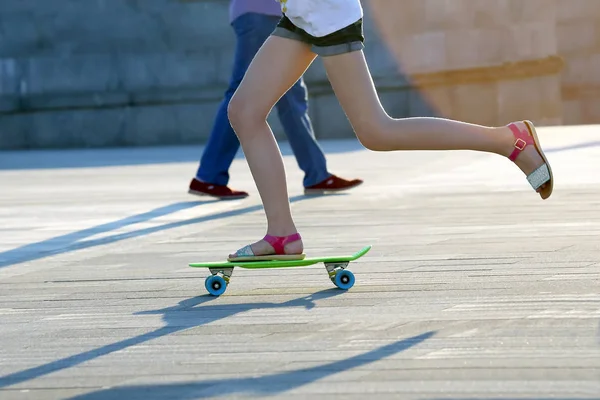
point(189, 313)
point(72, 241)
point(267, 385)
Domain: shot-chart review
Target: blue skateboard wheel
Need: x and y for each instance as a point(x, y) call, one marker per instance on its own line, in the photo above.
point(344, 279)
point(215, 285)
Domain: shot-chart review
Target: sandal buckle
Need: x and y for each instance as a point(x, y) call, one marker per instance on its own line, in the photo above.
point(520, 144)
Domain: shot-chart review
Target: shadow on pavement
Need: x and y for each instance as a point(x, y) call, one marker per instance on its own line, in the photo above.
point(189, 313)
point(267, 385)
point(75, 240)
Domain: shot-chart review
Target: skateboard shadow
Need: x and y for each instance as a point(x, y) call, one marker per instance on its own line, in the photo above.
point(73, 241)
point(267, 385)
point(189, 313)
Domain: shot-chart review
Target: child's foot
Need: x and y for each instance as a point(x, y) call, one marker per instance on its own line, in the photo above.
point(527, 154)
point(271, 248)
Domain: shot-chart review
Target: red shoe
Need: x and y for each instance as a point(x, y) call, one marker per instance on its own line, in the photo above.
point(332, 184)
point(200, 188)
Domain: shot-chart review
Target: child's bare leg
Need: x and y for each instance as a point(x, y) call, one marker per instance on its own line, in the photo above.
point(275, 68)
point(351, 80)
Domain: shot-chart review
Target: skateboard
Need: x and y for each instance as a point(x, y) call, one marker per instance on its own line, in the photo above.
point(221, 271)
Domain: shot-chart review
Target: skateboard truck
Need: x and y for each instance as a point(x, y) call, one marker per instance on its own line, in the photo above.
point(225, 272)
point(331, 268)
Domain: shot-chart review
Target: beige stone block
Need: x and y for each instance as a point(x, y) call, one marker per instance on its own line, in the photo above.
point(441, 15)
point(516, 101)
point(421, 53)
point(462, 49)
point(591, 111)
point(577, 70)
point(501, 13)
point(531, 41)
point(395, 18)
point(480, 47)
point(544, 41)
point(476, 103)
point(537, 99)
point(593, 70)
point(527, 11)
point(490, 48)
point(582, 71)
point(567, 10)
point(451, 15)
point(578, 37)
point(401, 25)
point(572, 10)
point(489, 13)
point(585, 110)
point(549, 94)
point(572, 112)
point(551, 121)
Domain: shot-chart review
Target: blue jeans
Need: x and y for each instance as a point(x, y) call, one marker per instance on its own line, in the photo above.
point(252, 30)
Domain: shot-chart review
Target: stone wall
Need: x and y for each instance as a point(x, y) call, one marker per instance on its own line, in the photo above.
point(147, 72)
point(110, 73)
point(482, 61)
point(138, 72)
point(578, 32)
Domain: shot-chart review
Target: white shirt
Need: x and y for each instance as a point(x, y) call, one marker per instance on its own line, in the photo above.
point(322, 17)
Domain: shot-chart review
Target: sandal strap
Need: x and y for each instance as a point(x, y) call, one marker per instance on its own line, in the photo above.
point(279, 242)
point(522, 140)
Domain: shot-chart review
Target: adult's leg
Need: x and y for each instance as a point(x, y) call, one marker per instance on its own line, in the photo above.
point(293, 113)
point(292, 109)
point(277, 66)
point(251, 31)
point(352, 83)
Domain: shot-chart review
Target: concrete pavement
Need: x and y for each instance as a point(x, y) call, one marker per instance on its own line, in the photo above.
point(474, 288)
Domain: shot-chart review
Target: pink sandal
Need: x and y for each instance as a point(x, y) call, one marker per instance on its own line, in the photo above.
point(277, 242)
point(543, 174)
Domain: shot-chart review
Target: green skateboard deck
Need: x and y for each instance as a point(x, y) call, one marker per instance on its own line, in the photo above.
point(221, 271)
